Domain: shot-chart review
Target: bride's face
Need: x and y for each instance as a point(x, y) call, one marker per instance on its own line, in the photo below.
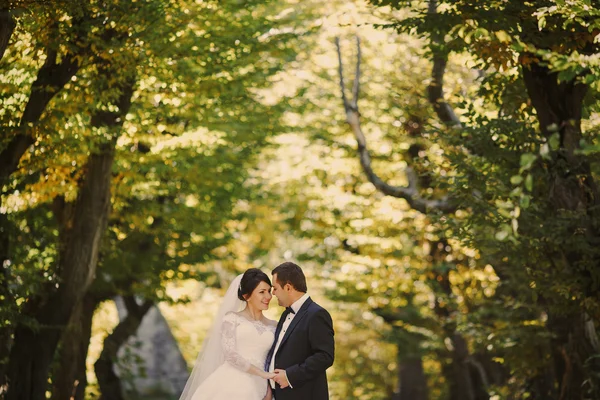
point(260, 297)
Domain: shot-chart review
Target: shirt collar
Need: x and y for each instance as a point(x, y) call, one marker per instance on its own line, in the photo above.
point(298, 303)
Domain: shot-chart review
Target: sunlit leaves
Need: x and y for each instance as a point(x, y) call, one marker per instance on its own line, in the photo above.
point(192, 133)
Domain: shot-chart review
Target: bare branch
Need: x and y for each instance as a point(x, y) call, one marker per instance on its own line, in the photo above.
point(356, 88)
point(409, 193)
point(341, 72)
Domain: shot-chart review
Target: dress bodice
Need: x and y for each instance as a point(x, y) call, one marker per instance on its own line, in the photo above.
point(245, 341)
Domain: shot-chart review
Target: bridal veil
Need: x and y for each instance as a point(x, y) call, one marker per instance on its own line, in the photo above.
point(211, 355)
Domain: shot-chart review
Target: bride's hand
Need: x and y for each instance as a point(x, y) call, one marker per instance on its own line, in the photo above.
point(268, 375)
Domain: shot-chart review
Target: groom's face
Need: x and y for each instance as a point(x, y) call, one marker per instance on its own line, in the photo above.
point(282, 293)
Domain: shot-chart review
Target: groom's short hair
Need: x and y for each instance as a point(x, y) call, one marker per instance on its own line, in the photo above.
point(288, 272)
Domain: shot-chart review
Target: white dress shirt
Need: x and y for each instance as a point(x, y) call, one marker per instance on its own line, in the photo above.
point(286, 324)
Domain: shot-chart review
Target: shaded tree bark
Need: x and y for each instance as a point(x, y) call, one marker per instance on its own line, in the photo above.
point(461, 385)
point(7, 26)
point(6, 295)
point(559, 107)
point(33, 349)
point(5, 344)
point(462, 369)
point(411, 378)
point(80, 235)
point(109, 382)
point(51, 78)
point(412, 381)
point(69, 378)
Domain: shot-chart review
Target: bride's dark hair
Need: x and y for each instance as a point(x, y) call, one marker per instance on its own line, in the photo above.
point(250, 280)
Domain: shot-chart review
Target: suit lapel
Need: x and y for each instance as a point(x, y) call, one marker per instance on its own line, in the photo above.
point(299, 315)
point(272, 351)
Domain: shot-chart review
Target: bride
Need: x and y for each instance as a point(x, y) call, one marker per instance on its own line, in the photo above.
point(230, 365)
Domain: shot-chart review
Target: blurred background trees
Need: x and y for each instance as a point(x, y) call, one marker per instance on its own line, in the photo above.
point(431, 164)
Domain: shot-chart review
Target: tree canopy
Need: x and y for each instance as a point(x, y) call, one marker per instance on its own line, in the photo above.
point(432, 165)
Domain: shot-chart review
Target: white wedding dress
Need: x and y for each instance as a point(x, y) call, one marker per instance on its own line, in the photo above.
point(244, 343)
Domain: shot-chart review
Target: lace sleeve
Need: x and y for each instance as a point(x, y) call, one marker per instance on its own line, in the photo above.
point(228, 342)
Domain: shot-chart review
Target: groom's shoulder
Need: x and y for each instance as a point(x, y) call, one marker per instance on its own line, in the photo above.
point(315, 307)
point(317, 312)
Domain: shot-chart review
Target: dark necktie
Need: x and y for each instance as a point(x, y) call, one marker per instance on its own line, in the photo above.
point(290, 310)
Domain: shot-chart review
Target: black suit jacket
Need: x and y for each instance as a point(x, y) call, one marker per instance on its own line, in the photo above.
point(306, 351)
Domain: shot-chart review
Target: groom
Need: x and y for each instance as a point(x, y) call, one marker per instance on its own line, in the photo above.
point(304, 347)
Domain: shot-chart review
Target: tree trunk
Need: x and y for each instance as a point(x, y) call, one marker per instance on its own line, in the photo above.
point(461, 384)
point(411, 379)
point(465, 376)
point(69, 379)
point(7, 26)
point(559, 108)
point(50, 80)
point(33, 349)
point(6, 330)
point(109, 382)
point(79, 242)
point(5, 344)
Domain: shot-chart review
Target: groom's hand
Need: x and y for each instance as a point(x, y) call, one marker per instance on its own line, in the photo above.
point(281, 378)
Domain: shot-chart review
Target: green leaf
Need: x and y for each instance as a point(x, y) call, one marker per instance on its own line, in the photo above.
point(504, 231)
point(503, 36)
point(554, 141)
point(524, 201)
point(567, 75)
point(541, 23)
point(529, 182)
point(516, 179)
point(587, 149)
point(527, 161)
point(501, 235)
point(545, 151)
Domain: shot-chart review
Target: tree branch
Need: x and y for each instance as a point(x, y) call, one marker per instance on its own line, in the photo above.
point(356, 88)
point(435, 89)
point(409, 193)
point(50, 80)
point(109, 382)
point(7, 26)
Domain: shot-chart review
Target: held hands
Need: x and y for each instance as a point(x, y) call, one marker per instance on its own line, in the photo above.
point(281, 378)
point(268, 375)
point(278, 376)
